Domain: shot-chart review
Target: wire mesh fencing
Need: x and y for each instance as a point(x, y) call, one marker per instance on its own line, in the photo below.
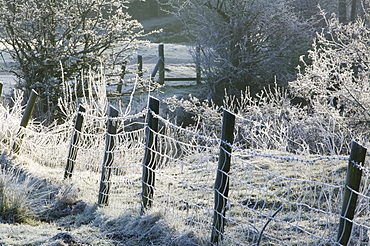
point(282, 201)
point(45, 146)
point(127, 146)
point(184, 177)
point(270, 197)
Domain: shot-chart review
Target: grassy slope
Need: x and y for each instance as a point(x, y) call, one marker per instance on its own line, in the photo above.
point(66, 222)
point(93, 226)
point(85, 224)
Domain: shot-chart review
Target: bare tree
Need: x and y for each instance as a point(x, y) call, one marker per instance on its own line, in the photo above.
point(244, 43)
point(353, 10)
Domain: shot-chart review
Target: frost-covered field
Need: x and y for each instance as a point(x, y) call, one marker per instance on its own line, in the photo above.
point(94, 227)
point(90, 225)
point(305, 193)
point(282, 190)
point(183, 201)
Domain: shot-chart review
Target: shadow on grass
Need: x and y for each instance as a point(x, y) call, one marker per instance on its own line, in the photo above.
point(40, 202)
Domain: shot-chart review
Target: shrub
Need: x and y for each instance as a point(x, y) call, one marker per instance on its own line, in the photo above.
point(270, 121)
point(335, 82)
point(22, 198)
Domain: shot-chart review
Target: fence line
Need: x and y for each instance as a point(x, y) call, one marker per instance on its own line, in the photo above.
point(160, 68)
point(272, 198)
point(129, 72)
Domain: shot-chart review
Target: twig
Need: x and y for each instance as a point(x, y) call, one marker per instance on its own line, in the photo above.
point(264, 227)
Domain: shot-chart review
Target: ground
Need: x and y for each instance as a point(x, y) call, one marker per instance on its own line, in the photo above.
point(78, 223)
point(66, 220)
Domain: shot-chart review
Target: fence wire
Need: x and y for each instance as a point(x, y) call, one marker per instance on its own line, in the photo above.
point(128, 151)
point(305, 199)
point(274, 199)
point(187, 163)
point(361, 224)
point(43, 145)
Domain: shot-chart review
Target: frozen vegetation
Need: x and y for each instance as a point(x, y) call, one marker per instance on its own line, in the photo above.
point(296, 78)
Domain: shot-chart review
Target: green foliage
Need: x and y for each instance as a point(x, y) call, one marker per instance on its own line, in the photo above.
point(52, 41)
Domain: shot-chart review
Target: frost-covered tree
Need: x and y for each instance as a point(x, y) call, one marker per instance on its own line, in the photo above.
point(335, 81)
point(52, 40)
point(244, 43)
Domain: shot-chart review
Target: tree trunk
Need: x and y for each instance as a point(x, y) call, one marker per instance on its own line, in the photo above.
point(353, 10)
point(342, 9)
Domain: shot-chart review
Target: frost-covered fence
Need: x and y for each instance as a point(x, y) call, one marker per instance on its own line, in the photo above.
point(272, 198)
point(109, 160)
point(72, 153)
point(25, 119)
point(351, 189)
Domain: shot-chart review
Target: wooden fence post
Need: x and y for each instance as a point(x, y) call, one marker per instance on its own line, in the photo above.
point(140, 66)
point(353, 180)
point(197, 65)
point(149, 162)
point(72, 153)
point(1, 89)
point(25, 119)
point(222, 179)
point(108, 157)
point(122, 78)
point(161, 64)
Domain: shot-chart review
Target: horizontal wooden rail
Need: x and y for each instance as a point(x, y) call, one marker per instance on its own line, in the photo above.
point(180, 79)
point(159, 68)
